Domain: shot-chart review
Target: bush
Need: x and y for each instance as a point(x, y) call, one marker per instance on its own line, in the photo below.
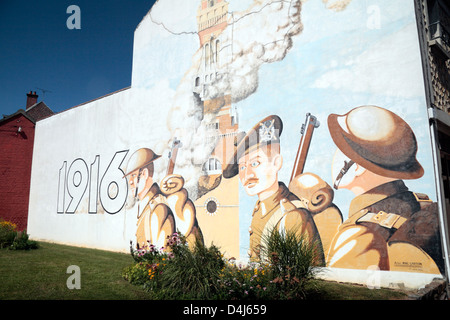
point(248, 282)
point(8, 231)
point(178, 272)
point(192, 273)
point(293, 261)
point(22, 242)
point(137, 273)
point(150, 262)
point(288, 262)
point(15, 240)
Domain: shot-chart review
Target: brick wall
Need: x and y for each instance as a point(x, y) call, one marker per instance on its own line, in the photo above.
point(15, 168)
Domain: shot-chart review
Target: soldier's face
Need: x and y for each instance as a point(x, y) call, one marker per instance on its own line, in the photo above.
point(258, 172)
point(138, 180)
point(353, 179)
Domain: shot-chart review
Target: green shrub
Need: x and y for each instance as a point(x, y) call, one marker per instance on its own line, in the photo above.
point(244, 282)
point(149, 264)
point(8, 231)
point(22, 242)
point(180, 272)
point(15, 240)
point(137, 273)
point(293, 261)
point(190, 273)
point(287, 264)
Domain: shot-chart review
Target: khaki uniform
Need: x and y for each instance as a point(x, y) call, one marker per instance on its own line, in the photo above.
point(391, 228)
point(155, 219)
point(164, 211)
point(279, 211)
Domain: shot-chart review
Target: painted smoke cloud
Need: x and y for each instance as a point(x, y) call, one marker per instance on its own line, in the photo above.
point(262, 33)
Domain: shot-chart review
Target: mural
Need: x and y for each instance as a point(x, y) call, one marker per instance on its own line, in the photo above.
point(162, 210)
point(377, 149)
point(275, 115)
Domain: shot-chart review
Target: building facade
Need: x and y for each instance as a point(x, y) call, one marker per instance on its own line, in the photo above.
point(245, 117)
point(433, 17)
point(16, 143)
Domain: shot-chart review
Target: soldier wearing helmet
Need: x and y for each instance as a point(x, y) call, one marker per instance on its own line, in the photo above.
point(257, 161)
point(155, 218)
point(388, 226)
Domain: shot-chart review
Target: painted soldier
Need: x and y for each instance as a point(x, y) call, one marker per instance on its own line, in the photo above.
point(388, 226)
point(162, 210)
point(155, 218)
point(257, 160)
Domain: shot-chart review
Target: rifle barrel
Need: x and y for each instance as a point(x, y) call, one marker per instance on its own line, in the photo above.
point(307, 130)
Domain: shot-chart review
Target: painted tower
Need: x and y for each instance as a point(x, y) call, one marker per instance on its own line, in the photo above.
point(218, 204)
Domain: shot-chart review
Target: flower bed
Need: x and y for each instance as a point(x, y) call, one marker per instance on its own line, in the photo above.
point(200, 272)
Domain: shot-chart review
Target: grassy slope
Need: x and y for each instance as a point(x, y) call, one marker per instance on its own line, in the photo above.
point(41, 274)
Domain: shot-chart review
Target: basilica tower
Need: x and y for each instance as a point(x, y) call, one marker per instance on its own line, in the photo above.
point(219, 201)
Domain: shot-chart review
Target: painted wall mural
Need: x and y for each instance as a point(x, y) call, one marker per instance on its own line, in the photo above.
point(245, 116)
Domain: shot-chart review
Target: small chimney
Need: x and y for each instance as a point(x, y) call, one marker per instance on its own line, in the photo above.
point(31, 99)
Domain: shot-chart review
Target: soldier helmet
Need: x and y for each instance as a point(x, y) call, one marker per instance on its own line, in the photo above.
point(265, 132)
point(377, 139)
point(140, 159)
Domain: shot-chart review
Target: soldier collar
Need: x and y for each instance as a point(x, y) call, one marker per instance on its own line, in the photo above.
point(375, 195)
point(273, 201)
point(152, 192)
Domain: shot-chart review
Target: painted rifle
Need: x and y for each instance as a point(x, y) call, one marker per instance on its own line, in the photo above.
point(306, 131)
point(176, 144)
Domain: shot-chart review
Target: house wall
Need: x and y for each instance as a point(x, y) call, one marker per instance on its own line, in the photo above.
point(15, 163)
point(356, 67)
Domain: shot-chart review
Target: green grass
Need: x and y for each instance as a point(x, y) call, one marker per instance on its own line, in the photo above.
point(41, 275)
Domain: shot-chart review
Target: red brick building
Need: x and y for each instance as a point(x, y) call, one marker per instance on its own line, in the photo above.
point(16, 145)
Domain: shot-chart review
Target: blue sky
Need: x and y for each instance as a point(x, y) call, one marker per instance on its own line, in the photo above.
point(38, 51)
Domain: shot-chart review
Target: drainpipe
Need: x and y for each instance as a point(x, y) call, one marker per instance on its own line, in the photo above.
point(433, 117)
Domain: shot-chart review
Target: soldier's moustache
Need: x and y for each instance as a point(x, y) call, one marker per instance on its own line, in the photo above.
point(249, 181)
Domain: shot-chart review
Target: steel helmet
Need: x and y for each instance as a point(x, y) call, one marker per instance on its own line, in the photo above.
point(377, 139)
point(139, 159)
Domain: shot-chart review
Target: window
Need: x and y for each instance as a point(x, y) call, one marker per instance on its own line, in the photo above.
point(207, 55)
point(212, 165)
point(211, 206)
point(217, 50)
